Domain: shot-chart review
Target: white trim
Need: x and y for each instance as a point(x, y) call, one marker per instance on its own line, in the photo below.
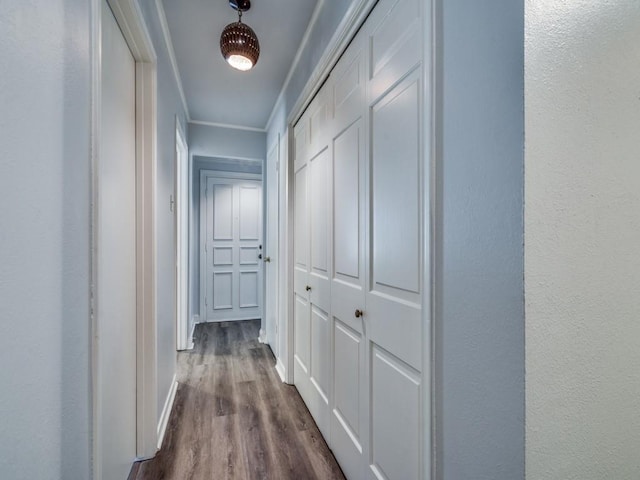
point(430, 64)
point(296, 59)
point(351, 23)
point(282, 373)
point(227, 125)
point(96, 89)
point(182, 189)
point(241, 319)
point(262, 336)
point(166, 411)
point(136, 34)
point(195, 320)
point(172, 55)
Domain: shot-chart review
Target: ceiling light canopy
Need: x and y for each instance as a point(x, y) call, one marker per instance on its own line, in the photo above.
point(239, 43)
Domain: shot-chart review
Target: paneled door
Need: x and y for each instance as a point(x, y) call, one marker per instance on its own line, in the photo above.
point(312, 263)
point(233, 249)
point(349, 426)
point(359, 151)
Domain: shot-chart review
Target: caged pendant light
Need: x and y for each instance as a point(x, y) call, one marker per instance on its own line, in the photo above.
point(239, 43)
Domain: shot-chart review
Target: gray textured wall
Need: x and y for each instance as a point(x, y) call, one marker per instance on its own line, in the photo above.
point(44, 240)
point(479, 338)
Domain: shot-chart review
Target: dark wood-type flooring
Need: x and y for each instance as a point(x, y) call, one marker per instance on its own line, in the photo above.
point(234, 419)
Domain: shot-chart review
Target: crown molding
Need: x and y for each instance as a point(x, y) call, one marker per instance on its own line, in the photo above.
point(228, 125)
point(296, 59)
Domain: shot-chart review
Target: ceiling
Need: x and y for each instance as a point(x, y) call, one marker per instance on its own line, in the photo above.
point(217, 93)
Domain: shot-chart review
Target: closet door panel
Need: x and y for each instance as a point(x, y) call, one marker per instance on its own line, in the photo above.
point(320, 211)
point(395, 418)
point(320, 366)
point(348, 434)
point(394, 31)
point(395, 290)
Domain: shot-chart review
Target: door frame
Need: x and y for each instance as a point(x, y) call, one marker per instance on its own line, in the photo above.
point(181, 209)
point(205, 175)
point(131, 22)
point(346, 31)
point(274, 223)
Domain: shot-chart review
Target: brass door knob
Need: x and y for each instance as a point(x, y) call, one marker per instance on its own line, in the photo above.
point(359, 313)
point(267, 259)
point(307, 288)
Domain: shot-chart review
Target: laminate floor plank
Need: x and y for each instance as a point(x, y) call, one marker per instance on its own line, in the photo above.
point(233, 419)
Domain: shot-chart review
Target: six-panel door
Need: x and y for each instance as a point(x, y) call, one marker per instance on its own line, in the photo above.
point(233, 249)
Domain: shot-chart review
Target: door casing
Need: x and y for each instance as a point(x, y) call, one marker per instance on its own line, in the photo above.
point(131, 22)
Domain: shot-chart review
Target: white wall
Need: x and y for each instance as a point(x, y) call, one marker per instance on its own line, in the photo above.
point(44, 240)
point(479, 321)
point(582, 224)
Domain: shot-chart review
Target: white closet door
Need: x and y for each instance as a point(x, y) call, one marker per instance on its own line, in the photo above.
point(395, 290)
point(233, 249)
point(349, 427)
point(312, 266)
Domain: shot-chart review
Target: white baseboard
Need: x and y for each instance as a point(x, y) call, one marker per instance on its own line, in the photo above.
point(194, 321)
point(166, 411)
point(263, 336)
point(281, 371)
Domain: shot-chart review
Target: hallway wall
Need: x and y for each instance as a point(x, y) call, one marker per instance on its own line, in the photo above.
point(479, 297)
point(169, 108)
point(44, 240)
point(582, 234)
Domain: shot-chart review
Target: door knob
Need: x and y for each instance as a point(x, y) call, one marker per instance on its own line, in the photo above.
point(359, 313)
point(307, 288)
point(267, 259)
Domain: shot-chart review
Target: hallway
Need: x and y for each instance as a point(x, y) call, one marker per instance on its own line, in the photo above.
point(234, 419)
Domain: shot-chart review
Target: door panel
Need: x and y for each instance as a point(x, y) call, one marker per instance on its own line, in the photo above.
point(394, 297)
point(395, 418)
point(233, 236)
point(116, 256)
point(222, 195)
point(319, 348)
point(394, 30)
point(358, 222)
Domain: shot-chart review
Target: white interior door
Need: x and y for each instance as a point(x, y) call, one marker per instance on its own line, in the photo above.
point(358, 221)
point(233, 249)
point(394, 292)
point(312, 270)
point(271, 253)
point(349, 427)
point(116, 257)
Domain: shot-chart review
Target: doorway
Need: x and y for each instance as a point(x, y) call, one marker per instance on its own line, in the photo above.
point(231, 248)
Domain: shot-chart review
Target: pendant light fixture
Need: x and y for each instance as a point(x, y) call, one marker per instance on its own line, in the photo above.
point(238, 43)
